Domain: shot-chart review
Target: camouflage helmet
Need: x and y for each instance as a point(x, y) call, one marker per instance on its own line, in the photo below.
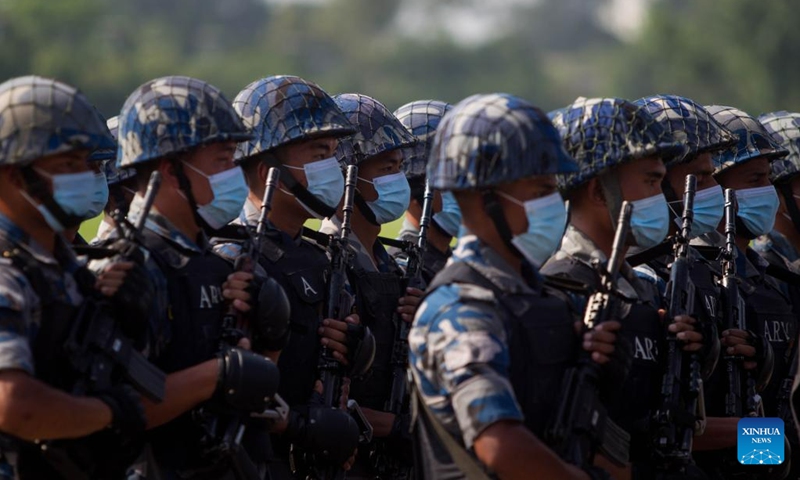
point(378, 131)
point(754, 140)
point(41, 117)
point(115, 175)
point(601, 133)
point(785, 130)
point(490, 139)
point(421, 119)
point(282, 109)
point(170, 115)
point(690, 123)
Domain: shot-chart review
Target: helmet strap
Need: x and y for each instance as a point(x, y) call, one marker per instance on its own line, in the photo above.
point(302, 193)
point(492, 207)
point(609, 185)
point(37, 188)
point(186, 187)
point(363, 207)
point(675, 204)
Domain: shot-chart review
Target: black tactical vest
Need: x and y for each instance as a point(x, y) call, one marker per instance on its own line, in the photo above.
point(376, 303)
point(642, 329)
point(196, 309)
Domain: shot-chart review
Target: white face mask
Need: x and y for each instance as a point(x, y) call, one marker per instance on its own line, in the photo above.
point(230, 192)
point(547, 220)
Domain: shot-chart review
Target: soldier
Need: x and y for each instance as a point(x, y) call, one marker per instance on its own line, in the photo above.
point(297, 127)
point(621, 150)
point(421, 119)
point(121, 188)
point(382, 195)
point(490, 391)
point(769, 312)
point(784, 240)
point(684, 119)
point(47, 130)
point(186, 130)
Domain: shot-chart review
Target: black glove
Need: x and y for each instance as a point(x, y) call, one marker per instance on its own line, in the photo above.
point(328, 433)
point(271, 322)
point(127, 412)
point(132, 303)
point(247, 380)
point(360, 349)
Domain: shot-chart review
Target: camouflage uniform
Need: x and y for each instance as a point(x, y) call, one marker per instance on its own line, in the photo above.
point(489, 343)
point(41, 292)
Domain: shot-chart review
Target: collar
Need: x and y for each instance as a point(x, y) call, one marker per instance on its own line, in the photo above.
point(160, 225)
point(578, 246)
point(744, 261)
point(63, 255)
point(486, 261)
point(777, 242)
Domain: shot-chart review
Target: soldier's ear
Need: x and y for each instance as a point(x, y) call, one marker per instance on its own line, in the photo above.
point(594, 191)
point(169, 174)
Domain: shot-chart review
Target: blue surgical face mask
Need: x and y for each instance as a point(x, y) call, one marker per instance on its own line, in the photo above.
point(650, 220)
point(449, 217)
point(73, 192)
point(547, 219)
point(757, 208)
point(99, 195)
point(325, 181)
point(394, 193)
point(709, 206)
point(230, 192)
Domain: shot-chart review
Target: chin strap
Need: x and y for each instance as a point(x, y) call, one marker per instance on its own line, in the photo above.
point(186, 188)
point(38, 189)
point(365, 210)
point(301, 193)
point(492, 207)
point(609, 184)
point(675, 204)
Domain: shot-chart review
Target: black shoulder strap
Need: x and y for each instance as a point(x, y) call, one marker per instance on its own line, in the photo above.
point(391, 242)
point(320, 238)
point(645, 256)
point(783, 274)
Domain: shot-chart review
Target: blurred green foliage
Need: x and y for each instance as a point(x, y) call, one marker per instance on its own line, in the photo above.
point(736, 52)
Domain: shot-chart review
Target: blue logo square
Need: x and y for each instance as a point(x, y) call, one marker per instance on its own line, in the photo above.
point(760, 441)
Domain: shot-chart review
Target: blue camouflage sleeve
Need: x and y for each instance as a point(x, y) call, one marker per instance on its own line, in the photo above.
point(17, 301)
point(459, 353)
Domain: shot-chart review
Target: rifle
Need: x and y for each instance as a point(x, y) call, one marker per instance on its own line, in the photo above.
point(733, 309)
point(412, 278)
point(390, 464)
point(339, 305)
point(681, 392)
point(96, 345)
point(228, 445)
point(582, 426)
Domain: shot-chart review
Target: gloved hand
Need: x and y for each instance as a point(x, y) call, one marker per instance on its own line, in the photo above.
point(127, 412)
point(329, 433)
point(247, 380)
